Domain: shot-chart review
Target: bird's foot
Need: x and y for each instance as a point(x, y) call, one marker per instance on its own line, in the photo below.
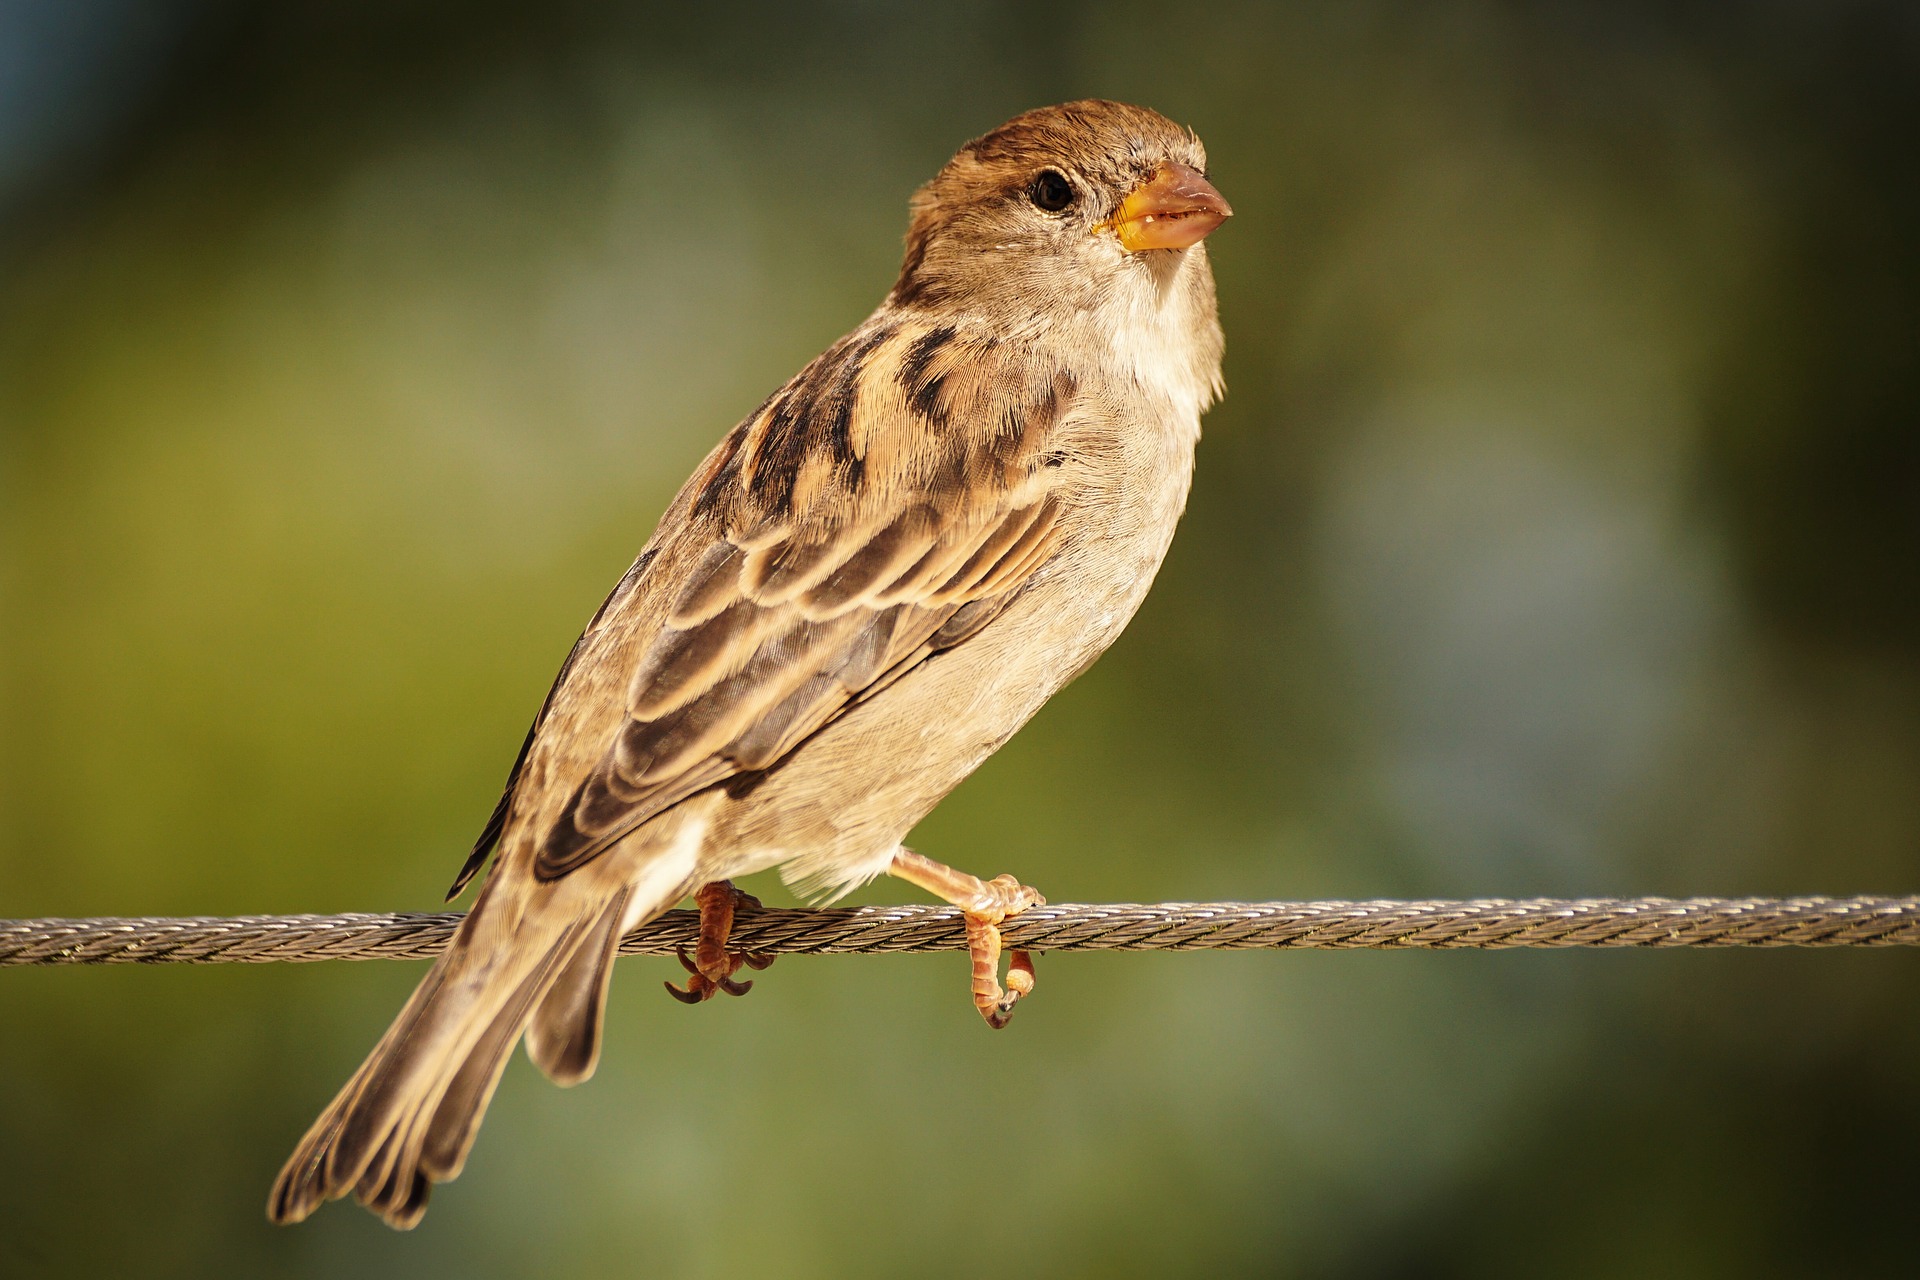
point(712, 965)
point(987, 905)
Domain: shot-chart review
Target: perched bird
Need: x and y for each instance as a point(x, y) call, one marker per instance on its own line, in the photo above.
point(864, 590)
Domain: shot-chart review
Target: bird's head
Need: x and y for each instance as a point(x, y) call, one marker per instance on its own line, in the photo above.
point(1085, 217)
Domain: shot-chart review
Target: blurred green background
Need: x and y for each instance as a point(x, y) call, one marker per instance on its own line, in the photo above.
point(1560, 534)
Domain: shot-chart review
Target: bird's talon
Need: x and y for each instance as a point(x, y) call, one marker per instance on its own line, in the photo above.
point(994, 1000)
point(1001, 1014)
point(711, 964)
point(985, 905)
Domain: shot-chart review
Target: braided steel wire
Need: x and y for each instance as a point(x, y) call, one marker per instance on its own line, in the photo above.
point(1483, 924)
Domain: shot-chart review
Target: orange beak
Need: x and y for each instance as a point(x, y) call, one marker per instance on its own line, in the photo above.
point(1174, 209)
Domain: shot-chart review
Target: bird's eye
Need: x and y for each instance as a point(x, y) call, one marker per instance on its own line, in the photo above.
point(1051, 191)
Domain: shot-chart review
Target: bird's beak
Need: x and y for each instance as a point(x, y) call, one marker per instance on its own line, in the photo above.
point(1174, 209)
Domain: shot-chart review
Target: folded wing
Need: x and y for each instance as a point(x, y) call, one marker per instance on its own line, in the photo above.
point(882, 507)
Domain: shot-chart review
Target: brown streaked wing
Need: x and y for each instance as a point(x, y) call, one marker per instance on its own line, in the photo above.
point(816, 593)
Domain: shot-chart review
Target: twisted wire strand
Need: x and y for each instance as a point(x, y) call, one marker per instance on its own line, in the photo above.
point(1484, 924)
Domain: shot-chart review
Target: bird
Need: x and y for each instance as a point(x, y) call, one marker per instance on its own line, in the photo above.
point(864, 590)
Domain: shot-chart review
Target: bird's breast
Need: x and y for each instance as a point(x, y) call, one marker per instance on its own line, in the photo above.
point(1124, 508)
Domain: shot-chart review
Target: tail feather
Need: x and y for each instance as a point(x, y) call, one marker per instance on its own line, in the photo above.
point(316, 1172)
point(431, 1142)
point(408, 1117)
point(564, 1039)
point(357, 1138)
point(449, 1135)
point(391, 1190)
point(532, 957)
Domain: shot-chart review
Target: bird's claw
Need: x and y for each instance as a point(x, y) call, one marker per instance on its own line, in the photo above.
point(1019, 983)
point(986, 905)
point(998, 899)
point(695, 991)
point(712, 966)
point(700, 987)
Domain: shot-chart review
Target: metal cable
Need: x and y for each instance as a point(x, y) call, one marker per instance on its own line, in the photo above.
point(1168, 926)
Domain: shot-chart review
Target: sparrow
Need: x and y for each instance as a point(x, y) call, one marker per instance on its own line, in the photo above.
point(860, 594)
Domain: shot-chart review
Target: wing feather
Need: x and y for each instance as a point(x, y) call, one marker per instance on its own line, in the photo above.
point(710, 587)
point(887, 504)
point(886, 555)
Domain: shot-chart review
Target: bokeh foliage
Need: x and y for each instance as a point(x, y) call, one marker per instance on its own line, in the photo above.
point(1560, 534)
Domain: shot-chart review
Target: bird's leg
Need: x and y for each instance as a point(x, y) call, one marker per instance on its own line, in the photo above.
point(987, 904)
point(713, 965)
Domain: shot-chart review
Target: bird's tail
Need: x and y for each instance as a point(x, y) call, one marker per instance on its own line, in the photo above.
point(536, 961)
